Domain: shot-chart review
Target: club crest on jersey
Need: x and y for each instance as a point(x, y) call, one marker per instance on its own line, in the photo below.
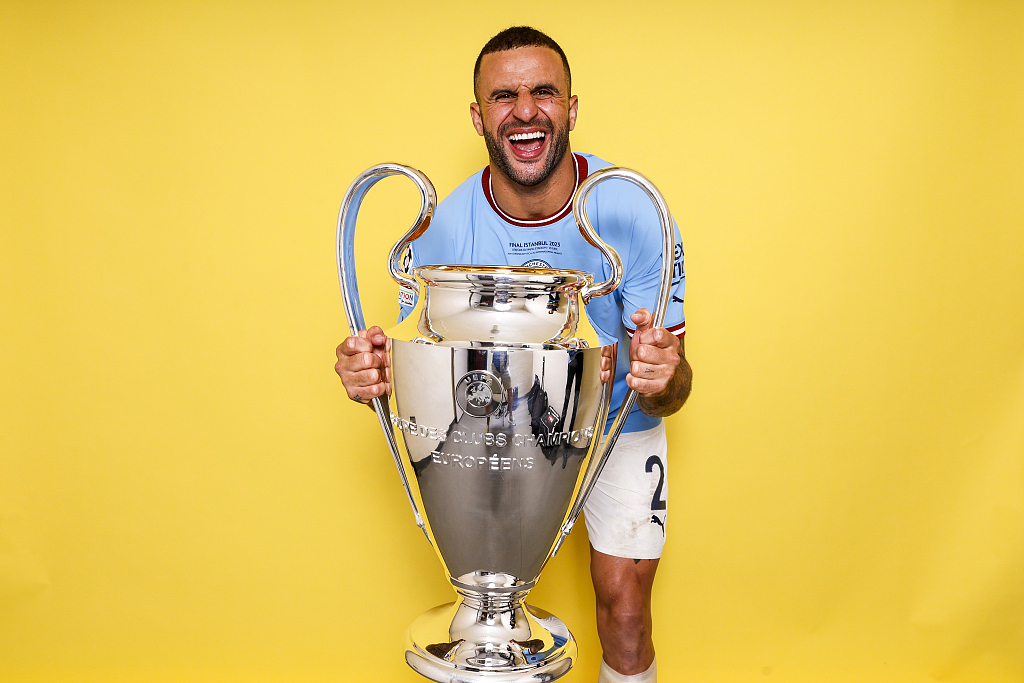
point(536, 263)
point(480, 393)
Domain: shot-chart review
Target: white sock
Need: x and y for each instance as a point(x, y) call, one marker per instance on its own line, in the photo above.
point(610, 675)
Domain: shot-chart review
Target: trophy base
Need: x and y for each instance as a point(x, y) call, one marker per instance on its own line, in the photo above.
point(489, 637)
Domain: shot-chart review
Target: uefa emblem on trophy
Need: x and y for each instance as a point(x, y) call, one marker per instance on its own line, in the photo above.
point(480, 393)
point(476, 371)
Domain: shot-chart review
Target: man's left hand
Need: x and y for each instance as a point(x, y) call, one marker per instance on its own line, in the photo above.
point(658, 370)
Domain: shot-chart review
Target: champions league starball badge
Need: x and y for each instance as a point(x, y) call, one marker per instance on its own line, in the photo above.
point(488, 494)
point(480, 393)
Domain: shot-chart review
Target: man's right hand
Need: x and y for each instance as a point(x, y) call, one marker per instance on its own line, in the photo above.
point(363, 365)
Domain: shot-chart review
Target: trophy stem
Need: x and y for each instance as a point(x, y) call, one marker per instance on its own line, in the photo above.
point(488, 636)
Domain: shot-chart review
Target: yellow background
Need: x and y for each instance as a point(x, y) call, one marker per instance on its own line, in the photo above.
point(185, 492)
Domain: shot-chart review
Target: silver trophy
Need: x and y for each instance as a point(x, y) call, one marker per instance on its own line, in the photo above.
point(495, 418)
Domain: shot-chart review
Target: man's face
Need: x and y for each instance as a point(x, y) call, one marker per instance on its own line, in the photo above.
point(524, 112)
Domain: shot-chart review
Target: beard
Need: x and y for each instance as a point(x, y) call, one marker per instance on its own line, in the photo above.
point(532, 175)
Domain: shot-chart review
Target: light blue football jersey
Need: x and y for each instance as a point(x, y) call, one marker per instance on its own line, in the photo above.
point(469, 228)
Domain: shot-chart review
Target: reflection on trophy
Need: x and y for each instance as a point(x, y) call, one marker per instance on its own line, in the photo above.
point(495, 422)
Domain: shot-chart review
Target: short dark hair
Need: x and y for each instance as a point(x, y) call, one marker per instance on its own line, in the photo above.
point(521, 36)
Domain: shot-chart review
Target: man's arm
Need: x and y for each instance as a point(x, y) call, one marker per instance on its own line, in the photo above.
point(658, 370)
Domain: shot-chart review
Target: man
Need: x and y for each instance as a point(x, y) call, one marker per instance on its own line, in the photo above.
point(517, 211)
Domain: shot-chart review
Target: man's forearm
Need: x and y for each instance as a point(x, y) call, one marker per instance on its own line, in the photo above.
point(670, 400)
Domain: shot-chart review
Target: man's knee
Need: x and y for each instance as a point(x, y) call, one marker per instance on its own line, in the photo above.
point(625, 613)
point(629, 622)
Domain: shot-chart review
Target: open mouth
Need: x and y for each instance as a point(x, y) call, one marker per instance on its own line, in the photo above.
point(527, 145)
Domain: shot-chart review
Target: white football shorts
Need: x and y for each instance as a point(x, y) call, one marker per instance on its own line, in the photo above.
point(627, 510)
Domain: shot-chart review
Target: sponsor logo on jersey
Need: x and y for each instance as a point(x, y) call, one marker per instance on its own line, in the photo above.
point(678, 274)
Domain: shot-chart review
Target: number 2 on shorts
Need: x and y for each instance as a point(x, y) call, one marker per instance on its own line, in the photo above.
point(657, 503)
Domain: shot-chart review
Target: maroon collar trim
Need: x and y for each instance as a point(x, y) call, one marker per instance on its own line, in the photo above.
point(581, 173)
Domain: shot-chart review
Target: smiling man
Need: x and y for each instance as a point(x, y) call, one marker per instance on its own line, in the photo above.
point(524, 112)
point(518, 211)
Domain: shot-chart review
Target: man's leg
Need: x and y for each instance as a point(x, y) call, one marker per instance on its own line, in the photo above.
point(626, 516)
point(623, 590)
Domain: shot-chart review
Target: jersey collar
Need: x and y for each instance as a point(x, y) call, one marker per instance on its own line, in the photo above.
point(580, 165)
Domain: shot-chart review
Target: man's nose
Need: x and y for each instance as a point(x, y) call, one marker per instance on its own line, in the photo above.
point(526, 106)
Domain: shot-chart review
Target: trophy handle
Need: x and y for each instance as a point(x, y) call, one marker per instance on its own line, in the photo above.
point(350, 289)
point(347, 232)
point(579, 204)
point(598, 462)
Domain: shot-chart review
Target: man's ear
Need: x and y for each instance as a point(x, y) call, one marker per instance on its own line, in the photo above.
point(478, 122)
point(573, 105)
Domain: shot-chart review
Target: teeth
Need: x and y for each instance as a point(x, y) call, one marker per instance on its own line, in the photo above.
point(520, 137)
